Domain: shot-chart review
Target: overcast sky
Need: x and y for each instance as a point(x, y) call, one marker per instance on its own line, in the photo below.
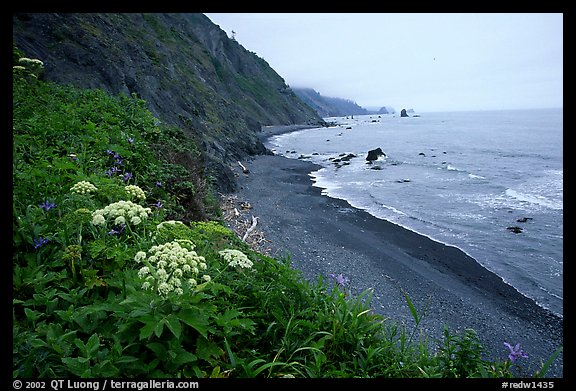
point(428, 62)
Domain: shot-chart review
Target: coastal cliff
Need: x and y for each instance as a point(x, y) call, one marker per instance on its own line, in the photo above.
point(185, 67)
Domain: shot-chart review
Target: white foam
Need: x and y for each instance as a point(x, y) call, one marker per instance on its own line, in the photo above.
point(535, 199)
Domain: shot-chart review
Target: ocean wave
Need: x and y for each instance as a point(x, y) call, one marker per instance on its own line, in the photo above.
point(535, 199)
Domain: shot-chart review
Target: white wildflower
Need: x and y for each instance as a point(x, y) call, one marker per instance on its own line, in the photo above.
point(236, 258)
point(120, 211)
point(169, 265)
point(135, 191)
point(140, 255)
point(98, 219)
point(83, 187)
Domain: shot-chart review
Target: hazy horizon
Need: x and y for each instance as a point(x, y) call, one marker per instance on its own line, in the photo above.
point(426, 62)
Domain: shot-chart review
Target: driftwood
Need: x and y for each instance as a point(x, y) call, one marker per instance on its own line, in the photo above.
point(252, 227)
point(244, 169)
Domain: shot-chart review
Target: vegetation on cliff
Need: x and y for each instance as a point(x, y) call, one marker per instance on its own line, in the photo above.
point(186, 69)
point(329, 106)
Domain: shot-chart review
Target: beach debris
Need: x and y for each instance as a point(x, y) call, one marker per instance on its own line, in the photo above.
point(252, 227)
point(244, 169)
point(235, 218)
point(246, 205)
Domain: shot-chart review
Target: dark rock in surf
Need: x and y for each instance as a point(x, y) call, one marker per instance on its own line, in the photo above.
point(515, 229)
point(374, 154)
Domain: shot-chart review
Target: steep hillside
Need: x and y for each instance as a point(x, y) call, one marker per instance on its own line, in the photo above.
point(185, 67)
point(328, 106)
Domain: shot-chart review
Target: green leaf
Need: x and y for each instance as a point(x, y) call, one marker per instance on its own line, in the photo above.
point(411, 307)
point(78, 366)
point(126, 360)
point(206, 349)
point(158, 348)
point(195, 319)
point(32, 315)
point(183, 357)
point(78, 342)
point(92, 345)
point(227, 317)
point(147, 330)
point(105, 369)
point(174, 325)
point(159, 328)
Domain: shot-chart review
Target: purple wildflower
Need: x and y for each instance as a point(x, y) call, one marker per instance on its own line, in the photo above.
point(39, 242)
point(117, 231)
point(127, 176)
point(515, 352)
point(158, 205)
point(112, 171)
point(110, 152)
point(47, 205)
point(131, 140)
point(158, 184)
point(340, 279)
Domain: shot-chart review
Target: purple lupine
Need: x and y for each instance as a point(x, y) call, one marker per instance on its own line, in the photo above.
point(158, 184)
point(131, 140)
point(127, 176)
point(39, 242)
point(340, 279)
point(47, 205)
point(515, 352)
point(158, 205)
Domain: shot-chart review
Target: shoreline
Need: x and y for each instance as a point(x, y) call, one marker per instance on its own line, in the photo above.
point(276, 130)
point(324, 235)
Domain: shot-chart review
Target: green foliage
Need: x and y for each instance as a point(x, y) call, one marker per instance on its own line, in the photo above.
point(81, 307)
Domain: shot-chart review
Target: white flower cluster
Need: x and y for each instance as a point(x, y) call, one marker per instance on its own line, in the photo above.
point(135, 191)
point(169, 222)
point(236, 258)
point(168, 265)
point(32, 65)
point(121, 212)
point(83, 187)
point(30, 62)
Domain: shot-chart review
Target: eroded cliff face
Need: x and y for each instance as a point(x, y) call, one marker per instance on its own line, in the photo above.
point(185, 67)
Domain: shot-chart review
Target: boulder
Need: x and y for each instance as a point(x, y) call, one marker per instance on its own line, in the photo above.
point(515, 229)
point(403, 113)
point(374, 154)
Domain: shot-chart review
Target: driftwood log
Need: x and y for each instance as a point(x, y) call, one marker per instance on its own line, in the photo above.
point(252, 227)
point(244, 169)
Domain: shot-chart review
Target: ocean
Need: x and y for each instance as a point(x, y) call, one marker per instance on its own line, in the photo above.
point(487, 182)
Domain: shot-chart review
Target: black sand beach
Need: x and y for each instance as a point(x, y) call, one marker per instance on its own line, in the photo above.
point(323, 235)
